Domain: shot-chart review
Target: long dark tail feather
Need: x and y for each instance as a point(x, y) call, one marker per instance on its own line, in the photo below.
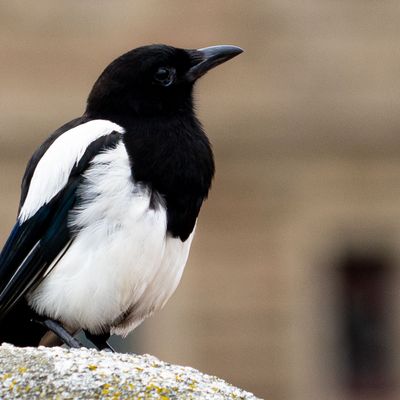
point(19, 327)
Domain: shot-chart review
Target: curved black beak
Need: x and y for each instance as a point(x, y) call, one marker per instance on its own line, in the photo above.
point(210, 57)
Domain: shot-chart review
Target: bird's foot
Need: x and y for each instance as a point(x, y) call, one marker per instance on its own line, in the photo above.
point(100, 341)
point(62, 333)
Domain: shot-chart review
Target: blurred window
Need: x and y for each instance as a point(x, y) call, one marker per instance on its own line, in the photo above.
point(365, 281)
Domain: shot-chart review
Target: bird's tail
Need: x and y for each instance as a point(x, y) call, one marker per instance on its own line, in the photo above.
point(18, 327)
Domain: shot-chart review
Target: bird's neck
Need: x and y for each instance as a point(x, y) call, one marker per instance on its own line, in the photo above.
point(173, 157)
point(167, 152)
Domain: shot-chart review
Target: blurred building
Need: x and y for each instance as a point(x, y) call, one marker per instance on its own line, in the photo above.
point(292, 289)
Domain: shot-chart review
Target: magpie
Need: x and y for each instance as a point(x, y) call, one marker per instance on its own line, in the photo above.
point(109, 204)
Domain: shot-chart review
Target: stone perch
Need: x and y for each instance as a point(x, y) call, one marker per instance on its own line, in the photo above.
point(57, 373)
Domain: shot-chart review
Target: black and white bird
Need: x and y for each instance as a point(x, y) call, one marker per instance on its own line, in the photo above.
point(109, 203)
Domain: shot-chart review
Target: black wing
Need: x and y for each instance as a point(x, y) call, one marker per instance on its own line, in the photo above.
point(34, 244)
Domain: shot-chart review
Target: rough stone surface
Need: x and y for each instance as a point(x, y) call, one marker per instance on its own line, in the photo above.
point(57, 373)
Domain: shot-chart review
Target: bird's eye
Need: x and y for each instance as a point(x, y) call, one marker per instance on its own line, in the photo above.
point(165, 76)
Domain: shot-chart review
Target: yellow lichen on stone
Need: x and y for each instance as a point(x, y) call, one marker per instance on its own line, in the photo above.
point(105, 389)
point(56, 373)
point(151, 387)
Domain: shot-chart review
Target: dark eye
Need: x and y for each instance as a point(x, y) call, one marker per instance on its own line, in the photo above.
point(165, 76)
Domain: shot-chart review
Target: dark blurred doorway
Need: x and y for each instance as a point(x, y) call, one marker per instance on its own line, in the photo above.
point(365, 281)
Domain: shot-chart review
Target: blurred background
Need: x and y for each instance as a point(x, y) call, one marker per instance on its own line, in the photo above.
point(292, 286)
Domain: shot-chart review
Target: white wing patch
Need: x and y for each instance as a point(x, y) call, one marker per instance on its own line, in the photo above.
point(54, 168)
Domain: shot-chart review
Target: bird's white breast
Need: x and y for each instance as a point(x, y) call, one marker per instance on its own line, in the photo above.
point(122, 265)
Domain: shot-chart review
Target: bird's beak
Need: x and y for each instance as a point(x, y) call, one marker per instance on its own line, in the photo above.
point(210, 57)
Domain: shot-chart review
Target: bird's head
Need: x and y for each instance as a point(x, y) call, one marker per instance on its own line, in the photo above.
point(153, 80)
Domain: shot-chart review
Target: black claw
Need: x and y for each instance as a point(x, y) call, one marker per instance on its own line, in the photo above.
point(108, 348)
point(100, 341)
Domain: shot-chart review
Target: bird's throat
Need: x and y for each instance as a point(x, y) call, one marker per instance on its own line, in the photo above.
point(173, 158)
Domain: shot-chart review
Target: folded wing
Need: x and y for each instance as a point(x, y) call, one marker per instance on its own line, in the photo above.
point(41, 234)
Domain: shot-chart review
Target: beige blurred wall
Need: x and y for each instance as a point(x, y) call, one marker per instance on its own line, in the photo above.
point(305, 126)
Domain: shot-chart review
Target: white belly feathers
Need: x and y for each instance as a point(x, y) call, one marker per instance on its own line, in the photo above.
point(122, 265)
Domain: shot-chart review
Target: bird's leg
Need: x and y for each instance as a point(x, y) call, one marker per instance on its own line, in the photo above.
point(62, 333)
point(50, 339)
point(100, 341)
